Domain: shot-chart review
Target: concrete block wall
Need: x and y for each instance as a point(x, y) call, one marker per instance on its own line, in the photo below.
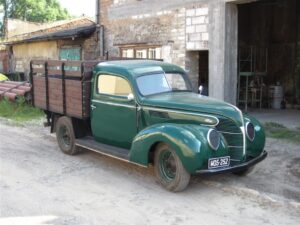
point(197, 23)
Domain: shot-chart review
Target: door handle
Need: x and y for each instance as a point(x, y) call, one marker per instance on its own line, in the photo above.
point(93, 107)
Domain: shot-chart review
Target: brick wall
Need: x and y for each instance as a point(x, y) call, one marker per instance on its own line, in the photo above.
point(3, 61)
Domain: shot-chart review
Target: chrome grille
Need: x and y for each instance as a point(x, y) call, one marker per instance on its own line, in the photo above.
point(233, 136)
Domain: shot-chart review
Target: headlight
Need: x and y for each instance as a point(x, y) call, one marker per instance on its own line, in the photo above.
point(250, 131)
point(214, 139)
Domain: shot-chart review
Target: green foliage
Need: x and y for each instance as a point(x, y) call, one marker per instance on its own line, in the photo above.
point(19, 110)
point(35, 11)
point(276, 130)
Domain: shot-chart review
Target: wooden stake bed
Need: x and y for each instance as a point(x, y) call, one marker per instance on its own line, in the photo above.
point(62, 86)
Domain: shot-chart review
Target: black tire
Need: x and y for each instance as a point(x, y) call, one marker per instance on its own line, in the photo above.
point(65, 136)
point(168, 168)
point(244, 172)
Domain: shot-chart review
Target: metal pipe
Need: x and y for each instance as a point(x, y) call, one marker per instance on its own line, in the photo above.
point(25, 88)
point(101, 40)
point(100, 29)
point(10, 96)
point(16, 91)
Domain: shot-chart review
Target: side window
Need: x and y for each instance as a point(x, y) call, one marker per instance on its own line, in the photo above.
point(113, 85)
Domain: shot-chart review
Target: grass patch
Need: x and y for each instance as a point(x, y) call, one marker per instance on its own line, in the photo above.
point(276, 130)
point(19, 110)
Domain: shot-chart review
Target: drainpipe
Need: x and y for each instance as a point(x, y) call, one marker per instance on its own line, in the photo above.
point(100, 29)
point(5, 21)
point(297, 57)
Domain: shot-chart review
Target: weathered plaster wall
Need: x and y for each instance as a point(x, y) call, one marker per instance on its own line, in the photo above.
point(23, 53)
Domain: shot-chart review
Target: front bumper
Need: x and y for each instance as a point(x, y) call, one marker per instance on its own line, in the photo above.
point(235, 168)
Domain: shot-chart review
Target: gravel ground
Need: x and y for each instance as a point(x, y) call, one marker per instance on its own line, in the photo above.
point(41, 185)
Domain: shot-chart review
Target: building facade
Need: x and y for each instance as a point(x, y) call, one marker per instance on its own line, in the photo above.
point(205, 36)
point(179, 32)
point(74, 39)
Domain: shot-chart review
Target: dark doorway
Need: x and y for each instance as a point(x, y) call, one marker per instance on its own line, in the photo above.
point(268, 53)
point(203, 71)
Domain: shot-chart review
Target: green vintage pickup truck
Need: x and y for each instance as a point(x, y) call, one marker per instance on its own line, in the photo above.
point(145, 112)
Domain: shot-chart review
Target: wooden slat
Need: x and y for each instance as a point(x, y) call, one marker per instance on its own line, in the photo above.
point(54, 81)
point(38, 81)
point(40, 99)
point(39, 90)
point(77, 100)
point(73, 63)
point(77, 112)
point(54, 72)
point(38, 62)
point(55, 63)
point(38, 70)
point(40, 104)
point(56, 108)
point(73, 73)
point(72, 101)
point(73, 83)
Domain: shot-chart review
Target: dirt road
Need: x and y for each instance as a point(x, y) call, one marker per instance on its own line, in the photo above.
point(41, 185)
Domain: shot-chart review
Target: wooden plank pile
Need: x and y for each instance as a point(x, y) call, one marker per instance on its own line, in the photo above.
point(12, 89)
point(62, 86)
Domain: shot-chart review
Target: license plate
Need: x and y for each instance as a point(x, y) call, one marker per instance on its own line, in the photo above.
point(218, 162)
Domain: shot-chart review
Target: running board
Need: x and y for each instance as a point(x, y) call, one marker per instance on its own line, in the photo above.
point(112, 151)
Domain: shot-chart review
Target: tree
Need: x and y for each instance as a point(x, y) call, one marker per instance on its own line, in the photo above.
point(35, 11)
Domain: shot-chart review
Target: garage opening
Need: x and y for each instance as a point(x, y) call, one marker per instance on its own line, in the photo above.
point(203, 72)
point(269, 54)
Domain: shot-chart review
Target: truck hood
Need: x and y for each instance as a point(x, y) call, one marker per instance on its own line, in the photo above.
point(192, 102)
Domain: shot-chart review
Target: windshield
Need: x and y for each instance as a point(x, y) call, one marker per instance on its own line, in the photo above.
point(159, 83)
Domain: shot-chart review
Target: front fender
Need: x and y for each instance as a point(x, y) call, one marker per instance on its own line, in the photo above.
point(188, 141)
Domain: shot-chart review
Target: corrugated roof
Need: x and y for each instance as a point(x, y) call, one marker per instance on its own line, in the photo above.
point(83, 31)
point(83, 26)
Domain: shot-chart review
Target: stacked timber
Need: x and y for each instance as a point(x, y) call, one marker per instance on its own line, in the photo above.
point(12, 89)
point(62, 86)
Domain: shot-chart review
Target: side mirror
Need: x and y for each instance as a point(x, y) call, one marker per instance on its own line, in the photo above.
point(200, 89)
point(130, 97)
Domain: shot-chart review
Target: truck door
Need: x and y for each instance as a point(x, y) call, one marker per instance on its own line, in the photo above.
point(113, 116)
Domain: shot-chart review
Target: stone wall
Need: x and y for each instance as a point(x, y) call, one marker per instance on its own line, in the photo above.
point(178, 27)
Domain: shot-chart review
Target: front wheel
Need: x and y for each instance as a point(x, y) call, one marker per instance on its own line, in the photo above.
point(169, 170)
point(65, 135)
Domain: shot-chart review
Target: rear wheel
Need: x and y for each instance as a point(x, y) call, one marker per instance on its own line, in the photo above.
point(65, 135)
point(169, 170)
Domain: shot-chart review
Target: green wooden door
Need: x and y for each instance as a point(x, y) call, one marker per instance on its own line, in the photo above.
point(70, 53)
point(113, 116)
